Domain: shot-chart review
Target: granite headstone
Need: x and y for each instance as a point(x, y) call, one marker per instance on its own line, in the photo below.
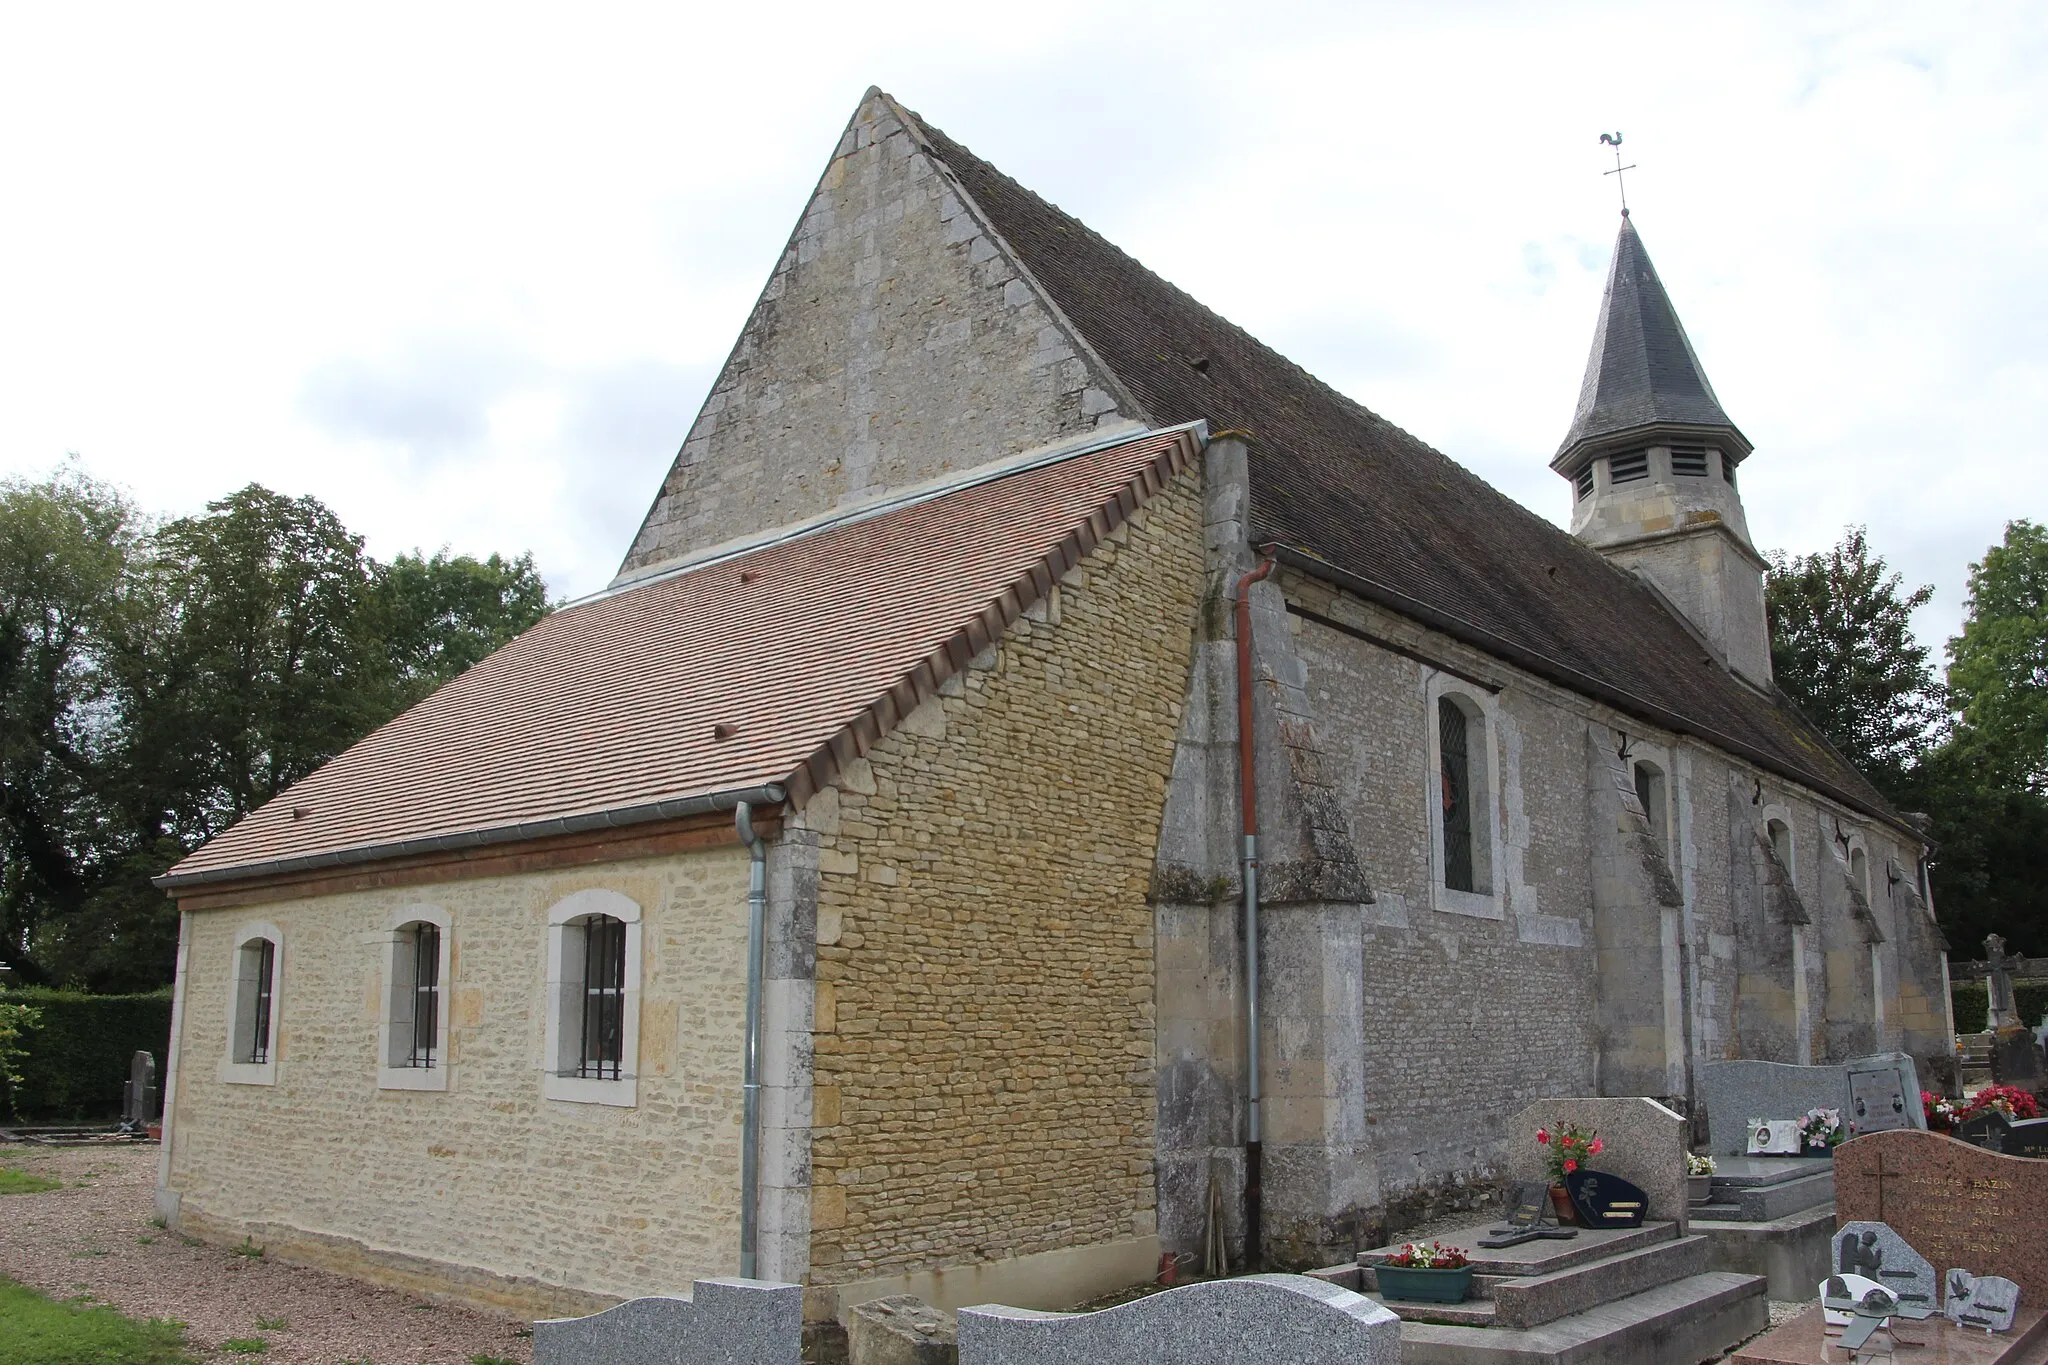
point(1875, 1251)
point(1986, 1301)
point(1955, 1204)
point(1994, 1132)
point(723, 1322)
point(1256, 1320)
point(1883, 1095)
point(1641, 1141)
point(138, 1102)
point(1735, 1092)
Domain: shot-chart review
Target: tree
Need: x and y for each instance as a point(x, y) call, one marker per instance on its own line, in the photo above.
point(1998, 666)
point(442, 615)
point(65, 547)
point(1842, 648)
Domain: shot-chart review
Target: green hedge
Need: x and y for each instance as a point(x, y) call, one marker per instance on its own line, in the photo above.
point(77, 1063)
point(1973, 1005)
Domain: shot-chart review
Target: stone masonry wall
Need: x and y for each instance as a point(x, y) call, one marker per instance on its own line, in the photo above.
point(895, 341)
point(985, 995)
point(485, 1191)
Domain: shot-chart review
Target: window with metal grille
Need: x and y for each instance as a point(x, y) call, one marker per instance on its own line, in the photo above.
point(1454, 743)
point(604, 998)
point(1689, 462)
point(1728, 468)
point(1584, 482)
point(258, 985)
point(426, 995)
point(1629, 467)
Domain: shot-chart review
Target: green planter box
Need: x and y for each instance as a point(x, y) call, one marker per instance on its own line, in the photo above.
point(1424, 1286)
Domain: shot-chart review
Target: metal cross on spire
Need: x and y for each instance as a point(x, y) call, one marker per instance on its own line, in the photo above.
point(1614, 140)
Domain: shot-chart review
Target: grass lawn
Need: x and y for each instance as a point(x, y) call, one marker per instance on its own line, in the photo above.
point(38, 1331)
point(21, 1182)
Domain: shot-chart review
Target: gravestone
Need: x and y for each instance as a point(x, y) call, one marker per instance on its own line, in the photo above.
point(138, 1103)
point(1642, 1142)
point(2004, 1006)
point(1877, 1252)
point(1994, 1132)
point(1884, 1094)
point(723, 1322)
point(1955, 1204)
point(1606, 1201)
point(1256, 1320)
point(901, 1329)
point(1987, 1301)
point(2016, 1057)
point(1733, 1093)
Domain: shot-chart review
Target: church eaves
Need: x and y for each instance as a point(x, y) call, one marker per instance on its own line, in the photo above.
point(1642, 371)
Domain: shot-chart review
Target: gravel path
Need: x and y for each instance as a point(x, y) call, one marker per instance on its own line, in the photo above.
point(94, 1237)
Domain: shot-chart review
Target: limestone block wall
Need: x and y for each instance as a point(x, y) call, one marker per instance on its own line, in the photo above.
point(984, 1020)
point(895, 340)
point(485, 1191)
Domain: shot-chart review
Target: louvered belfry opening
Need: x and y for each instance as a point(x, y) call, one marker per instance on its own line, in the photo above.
point(1457, 795)
point(604, 998)
point(426, 995)
point(1628, 467)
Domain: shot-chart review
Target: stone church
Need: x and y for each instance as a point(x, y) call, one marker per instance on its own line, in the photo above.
point(1051, 784)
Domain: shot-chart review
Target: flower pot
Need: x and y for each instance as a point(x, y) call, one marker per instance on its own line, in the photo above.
point(1424, 1286)
point(1821, 1151)
point(1699, 1188)
point(1561, 1199)
point(156, 1132)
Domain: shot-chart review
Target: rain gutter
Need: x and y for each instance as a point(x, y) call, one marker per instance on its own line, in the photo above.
point(1248, 806)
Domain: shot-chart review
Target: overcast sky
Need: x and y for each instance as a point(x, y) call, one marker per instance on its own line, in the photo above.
point(465, 274)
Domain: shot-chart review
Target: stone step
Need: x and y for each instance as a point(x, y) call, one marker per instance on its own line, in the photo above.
point(1537, 1299)
point(1761, 1203)
point(1791, 1253)
point(1697, 1318)
point(1766, 1170)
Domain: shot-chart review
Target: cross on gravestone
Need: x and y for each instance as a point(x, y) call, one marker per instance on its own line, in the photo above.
point(1879, 1173)
point(138, 1106)
point(1532, 1216)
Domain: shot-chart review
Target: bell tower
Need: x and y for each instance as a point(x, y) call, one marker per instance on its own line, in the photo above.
point(1652, 458)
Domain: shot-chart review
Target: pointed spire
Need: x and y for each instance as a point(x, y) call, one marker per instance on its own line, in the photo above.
point(1642, 370)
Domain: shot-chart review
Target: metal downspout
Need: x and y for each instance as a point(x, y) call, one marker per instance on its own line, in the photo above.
point(750, 1085)
point(1248, 805)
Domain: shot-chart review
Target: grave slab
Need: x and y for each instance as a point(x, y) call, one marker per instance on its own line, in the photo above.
point(1696, 1318)
point(1256, 1320)
point(1643, 1143)
point(723, 1322)
point(1954, 1204)
point(1801, 1342)
point(1791, 1253)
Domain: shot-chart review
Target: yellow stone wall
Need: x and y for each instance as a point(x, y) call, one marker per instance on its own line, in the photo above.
point(486, 1191)
point(985, 987)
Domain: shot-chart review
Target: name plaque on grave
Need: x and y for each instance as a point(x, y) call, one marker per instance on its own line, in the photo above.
point(1877, 1102)
point(1531, 1216)
point(1606, 1201)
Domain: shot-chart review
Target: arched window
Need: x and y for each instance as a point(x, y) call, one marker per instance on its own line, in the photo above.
point(1781, 844)
point(1462, 802)
point(593, 999)
point(413, 1048)
point(254, 978)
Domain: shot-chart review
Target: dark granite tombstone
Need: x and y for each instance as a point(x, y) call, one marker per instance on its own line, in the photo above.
point(2016, 1057)
point(1994, 1132)
point(1531, 1216)
point(1606, 1201)
point(138, 1104)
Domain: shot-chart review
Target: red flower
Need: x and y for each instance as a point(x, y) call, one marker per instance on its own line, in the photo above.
point(1543, 1136)
point(1570, 1165)
point(1594, 1150)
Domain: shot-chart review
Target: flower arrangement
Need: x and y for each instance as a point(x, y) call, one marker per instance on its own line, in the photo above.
point(1696, 1164)
point(2008, 1100)
point(1942, 1113)
point(1566, 1148)
point(1428, 1256)
point(1820, 1128)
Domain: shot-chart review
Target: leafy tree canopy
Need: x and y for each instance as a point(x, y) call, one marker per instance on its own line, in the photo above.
point(1998, 666)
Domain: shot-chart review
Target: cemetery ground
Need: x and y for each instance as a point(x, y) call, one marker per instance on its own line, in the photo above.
point(78, 1222)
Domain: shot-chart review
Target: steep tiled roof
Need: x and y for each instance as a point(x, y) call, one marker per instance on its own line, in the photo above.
point(1396, 521)
point(1642, 369)
point(770, 666)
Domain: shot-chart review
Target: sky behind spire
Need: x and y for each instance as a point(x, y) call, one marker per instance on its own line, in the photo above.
point(466, 272)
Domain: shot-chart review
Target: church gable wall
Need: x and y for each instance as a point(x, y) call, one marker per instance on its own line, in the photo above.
point(895, 341)
point(485, 1191)
point(984, 1021)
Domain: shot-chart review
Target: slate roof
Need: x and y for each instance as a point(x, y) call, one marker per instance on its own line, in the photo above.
point(762, 669)
point(1643, 369)
point(1342, 489)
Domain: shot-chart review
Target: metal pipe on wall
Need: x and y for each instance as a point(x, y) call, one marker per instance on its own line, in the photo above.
point(750, 1081)
point(1248, 805)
